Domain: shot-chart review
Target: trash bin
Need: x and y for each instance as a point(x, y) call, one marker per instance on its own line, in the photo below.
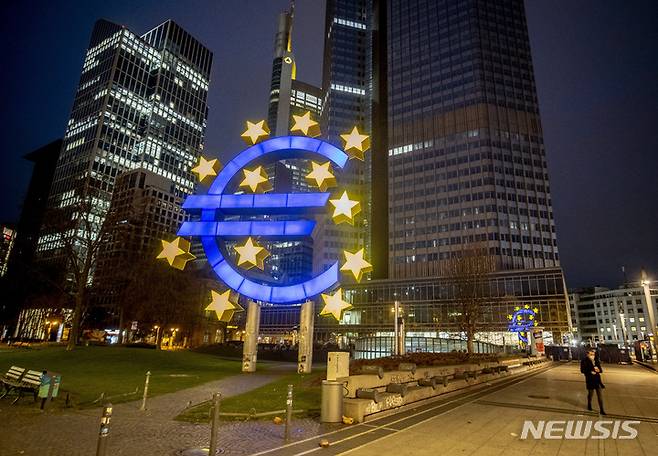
point(331, 410)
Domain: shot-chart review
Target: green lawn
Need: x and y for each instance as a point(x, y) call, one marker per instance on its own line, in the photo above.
point(271, 397)
point(89, 371)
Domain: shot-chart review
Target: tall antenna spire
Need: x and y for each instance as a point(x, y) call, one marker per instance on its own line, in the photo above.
point(291, 17)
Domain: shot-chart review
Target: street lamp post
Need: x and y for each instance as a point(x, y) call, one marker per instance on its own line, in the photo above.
point(652, 316)
point(399, 334)
point(622, 324)
point(157, 333)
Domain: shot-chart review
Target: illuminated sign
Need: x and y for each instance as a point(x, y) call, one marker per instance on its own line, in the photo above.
point(219, 207)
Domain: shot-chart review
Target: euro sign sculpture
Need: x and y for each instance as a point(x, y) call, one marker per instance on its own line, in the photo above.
point(220, 206)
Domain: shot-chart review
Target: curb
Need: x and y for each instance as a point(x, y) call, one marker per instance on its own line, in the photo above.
point(646, 365)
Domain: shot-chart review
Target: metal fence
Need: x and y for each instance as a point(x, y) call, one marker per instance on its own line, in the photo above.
point(381, 346)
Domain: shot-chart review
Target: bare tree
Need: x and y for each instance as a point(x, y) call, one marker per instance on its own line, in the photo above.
point(75, 234)
point(470, 270)
point(158, 294)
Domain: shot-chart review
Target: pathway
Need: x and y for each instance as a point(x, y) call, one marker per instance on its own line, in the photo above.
point(28, 431)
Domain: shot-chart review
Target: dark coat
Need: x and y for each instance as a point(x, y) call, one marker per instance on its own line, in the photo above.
point(592, 381)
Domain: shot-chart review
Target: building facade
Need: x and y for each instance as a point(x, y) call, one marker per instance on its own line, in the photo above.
point(347, 77)
point(290, 261)
point(149, 208)
point(7, 242)
point(44, 161)
point(21, 273)
point(141, 103)
point(446, 90)
point(431, 317)
point(467, 161)
point(612, 316)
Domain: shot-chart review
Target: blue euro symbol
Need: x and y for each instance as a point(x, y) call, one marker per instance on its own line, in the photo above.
point(217, 204)
point(522, 325)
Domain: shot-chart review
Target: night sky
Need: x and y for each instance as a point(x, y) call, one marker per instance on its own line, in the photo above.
point(596, 66)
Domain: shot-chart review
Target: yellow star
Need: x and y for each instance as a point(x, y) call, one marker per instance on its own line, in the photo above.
point(356, 144)
point(356, 263)
point(509, 317)
point(321, 176)
point(345, 209)
point(519, 317)
point(177, 253)
point(223, 305)
point(256, 180)
point(251, 254)
point(206, 168)
point(517, 308)
point(526, 306)
point(255, 131)
point(531, 317)
point(536, 324)
point(306, 125)
point(535, 310)
point(334, 304)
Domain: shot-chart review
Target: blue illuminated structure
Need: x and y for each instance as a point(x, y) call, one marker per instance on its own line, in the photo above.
point(522, 325)
point(217, 204)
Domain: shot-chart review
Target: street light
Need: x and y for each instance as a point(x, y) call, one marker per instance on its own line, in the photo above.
point(622, 324)
point(645, 282)
point(173, 336)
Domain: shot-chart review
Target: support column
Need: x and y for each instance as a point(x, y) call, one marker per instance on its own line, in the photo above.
point(306, 324)
point(250, 349)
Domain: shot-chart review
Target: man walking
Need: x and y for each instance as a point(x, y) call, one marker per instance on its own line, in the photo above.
point(590, 366)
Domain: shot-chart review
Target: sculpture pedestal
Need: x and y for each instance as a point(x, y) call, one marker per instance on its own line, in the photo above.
point(306, 324)
point(250, 349)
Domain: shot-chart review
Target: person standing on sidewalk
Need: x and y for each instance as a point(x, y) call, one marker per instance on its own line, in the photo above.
point(590, 366)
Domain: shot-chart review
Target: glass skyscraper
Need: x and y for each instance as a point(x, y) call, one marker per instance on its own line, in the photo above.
point(446, 90)
point(347, 77)
point(467, 162)
point(290, 261)
point(141, 103)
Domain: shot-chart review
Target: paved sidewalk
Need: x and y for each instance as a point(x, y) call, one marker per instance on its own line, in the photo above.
point(28, 431)
point(492, 425)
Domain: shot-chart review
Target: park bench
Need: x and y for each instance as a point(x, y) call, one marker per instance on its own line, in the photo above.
point(372, 370)
point(465, 375)
point(11, 379)
point(29, 381)
point(369, 393)
point(397, 388)
point(431, 381)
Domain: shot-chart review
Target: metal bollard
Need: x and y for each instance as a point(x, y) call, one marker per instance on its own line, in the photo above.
point(104, 431)
point(214, 424)
point(146, 391)
point(288, 413)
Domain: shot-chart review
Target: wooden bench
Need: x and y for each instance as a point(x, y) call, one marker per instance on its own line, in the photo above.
point(11, 379)
point(29, 381)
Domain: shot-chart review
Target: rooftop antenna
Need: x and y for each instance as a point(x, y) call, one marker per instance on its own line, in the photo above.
point(291, 16)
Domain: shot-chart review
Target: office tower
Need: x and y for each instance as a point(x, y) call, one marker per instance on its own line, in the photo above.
point(446, 90)
point(21, 273)
point(347, 83)
point(467, 162)
point(141, 103)
point(613, 316)
point(34, 204)
point(290, 261)
point(150, 209)
point(283, 73)
point(7, 242)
